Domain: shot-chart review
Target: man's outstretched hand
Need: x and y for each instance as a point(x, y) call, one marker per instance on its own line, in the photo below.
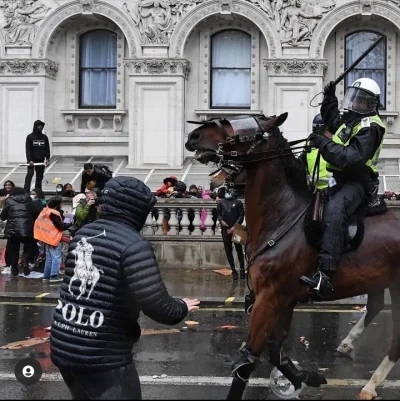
point(192, 304)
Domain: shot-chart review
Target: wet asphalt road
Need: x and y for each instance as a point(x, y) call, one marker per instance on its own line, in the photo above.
point(205, 351)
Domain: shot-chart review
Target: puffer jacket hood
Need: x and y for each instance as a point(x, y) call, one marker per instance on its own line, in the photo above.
point(128, 200)
point(35, 124)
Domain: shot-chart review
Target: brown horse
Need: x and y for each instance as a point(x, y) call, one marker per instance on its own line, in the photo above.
point(276, 198)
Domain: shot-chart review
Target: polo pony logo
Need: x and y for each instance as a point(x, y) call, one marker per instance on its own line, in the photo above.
point(85, 271)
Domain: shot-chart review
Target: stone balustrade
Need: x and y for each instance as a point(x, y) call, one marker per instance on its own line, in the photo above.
point(174, 217)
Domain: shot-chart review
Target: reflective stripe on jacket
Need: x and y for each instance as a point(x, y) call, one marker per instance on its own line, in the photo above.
point(324, 175)
point(344, 140)
point(44, 229)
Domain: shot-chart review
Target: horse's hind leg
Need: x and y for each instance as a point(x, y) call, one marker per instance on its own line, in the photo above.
point(375, 304)
point(278, 358)
point(380, 374)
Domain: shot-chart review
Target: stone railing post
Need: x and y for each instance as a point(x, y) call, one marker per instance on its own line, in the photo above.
point(197, 222)
point(148, 225)
point(160, 219)
point(209, 223)
point(185, 222)
point(173, 222)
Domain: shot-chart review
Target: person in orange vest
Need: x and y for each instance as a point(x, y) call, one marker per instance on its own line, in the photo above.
point(48, 228)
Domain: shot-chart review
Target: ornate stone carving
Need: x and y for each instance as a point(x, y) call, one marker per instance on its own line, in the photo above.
point(159, 66)
point(68, 10)
point(156, 19)
point(331, 21)
point(29, 67)
point(366, 7)
point(295, 20)
point(69, 120)
point(117, 123)
point(87, 6)
point(296, 67)
point(20, 19)
point(226, 6)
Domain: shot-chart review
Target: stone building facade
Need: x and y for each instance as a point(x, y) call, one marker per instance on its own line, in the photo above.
point(121, 77)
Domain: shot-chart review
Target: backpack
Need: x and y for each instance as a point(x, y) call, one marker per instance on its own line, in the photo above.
point(105, 170)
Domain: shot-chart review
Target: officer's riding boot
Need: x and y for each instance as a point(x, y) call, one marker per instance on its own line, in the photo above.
point(320, 283)
point(242, 273)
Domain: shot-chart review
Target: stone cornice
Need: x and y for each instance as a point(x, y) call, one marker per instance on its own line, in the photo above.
point(158, 66)
point(41, 67)
point(296, 67)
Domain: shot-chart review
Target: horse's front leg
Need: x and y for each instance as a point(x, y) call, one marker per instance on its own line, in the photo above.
point(278, 357)
point(264, 315)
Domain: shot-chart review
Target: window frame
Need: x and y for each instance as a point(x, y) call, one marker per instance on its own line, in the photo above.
point(347, 83)
point(80, 69)
point(212, 68)
point(205, 32)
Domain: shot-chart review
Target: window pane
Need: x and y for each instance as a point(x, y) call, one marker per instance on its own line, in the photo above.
point(231, 88)
point(358, 43)
point(99, 49)
point(98, 87)
point(373, 65)
point(231, 69)
point(231, 49)
point(98, 73)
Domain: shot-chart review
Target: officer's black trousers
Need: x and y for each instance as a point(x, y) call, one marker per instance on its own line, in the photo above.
point(341, 206)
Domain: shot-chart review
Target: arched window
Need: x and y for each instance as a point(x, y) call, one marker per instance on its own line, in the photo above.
point(98, 69)
point(372, 66)
point(230, 69)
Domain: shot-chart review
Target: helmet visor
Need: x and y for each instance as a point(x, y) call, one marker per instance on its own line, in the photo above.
point(360, 101)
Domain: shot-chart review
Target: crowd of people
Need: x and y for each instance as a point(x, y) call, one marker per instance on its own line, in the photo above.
point(34, 227)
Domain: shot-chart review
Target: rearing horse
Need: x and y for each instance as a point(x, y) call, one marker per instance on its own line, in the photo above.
point(276, 197)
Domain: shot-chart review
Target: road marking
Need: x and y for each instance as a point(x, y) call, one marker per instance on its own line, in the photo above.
point(229, 300)
point(40, 296)
point(211, 381)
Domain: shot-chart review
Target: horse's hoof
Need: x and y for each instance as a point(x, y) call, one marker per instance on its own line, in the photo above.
point(345, 348)
point(367, 395)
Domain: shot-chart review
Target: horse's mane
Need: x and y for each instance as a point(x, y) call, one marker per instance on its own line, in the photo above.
point(294, 166)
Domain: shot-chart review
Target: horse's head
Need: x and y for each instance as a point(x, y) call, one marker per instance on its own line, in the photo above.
point(206, 139)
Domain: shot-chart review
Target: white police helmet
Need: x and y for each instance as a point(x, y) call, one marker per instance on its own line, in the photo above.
point(362, 97)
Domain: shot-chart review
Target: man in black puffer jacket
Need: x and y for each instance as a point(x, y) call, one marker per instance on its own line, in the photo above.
point(111, 275)
point(18, 212)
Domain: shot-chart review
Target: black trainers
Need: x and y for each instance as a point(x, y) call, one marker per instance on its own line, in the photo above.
point(320, 284)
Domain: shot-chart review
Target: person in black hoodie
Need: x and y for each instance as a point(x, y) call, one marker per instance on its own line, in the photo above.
point(111, 275)
point(37, 150)
point(19, 228)
point(230, 212)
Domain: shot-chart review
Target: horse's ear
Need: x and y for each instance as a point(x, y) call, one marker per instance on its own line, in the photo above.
point(281, 119)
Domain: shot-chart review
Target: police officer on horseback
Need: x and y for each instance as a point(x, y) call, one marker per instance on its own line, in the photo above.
point(351, 155)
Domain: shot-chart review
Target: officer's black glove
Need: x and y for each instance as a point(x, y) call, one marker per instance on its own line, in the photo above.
point(330, 89)
point(319, 141)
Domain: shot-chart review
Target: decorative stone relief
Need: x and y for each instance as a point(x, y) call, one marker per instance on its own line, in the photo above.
point(118, 123)
point(295, 20)
point(156, 19)
point(366, 7)
point(69, 120)
point(159, 66)
point(87, 6)
point(29, 67)
point(296, 67)
point(20, 19)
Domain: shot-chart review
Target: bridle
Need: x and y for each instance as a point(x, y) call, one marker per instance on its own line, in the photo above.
point(247, 130)
point(236, 160)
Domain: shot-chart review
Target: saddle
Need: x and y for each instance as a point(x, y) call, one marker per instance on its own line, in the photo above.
point(355, 228)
